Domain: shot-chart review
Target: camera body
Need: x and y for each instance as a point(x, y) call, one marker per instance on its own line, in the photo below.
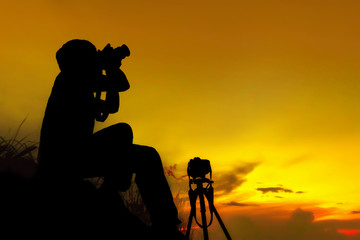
point(110, 56)
point(198, 168)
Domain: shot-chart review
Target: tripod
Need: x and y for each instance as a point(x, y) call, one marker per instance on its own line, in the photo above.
point(208, 192)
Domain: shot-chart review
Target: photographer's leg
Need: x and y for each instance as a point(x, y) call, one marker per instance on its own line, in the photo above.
point(106, 151)
point(119, 158)
point(110, 158)
point(155, 190)
point(116, 142)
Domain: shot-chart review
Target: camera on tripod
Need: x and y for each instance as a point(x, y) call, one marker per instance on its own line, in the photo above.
point(198, 168)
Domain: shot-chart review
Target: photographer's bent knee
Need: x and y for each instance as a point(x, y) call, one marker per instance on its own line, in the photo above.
point(147, 151)
point(146, 157)
point(125, 131)
point(120, 133)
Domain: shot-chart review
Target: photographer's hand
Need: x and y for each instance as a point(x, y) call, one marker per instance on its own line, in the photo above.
point(110, 104)
point(115, 79)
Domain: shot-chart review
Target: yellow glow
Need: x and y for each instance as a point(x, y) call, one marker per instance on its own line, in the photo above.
point(236, 82)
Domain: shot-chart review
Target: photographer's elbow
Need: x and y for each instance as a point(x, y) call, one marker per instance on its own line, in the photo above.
point(113, 109)
point(124, 86)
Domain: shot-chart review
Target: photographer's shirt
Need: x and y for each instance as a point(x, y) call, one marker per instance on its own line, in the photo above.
point(67, 125)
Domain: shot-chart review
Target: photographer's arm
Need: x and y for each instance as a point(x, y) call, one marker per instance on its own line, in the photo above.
point(110, 104)
point(115, 80)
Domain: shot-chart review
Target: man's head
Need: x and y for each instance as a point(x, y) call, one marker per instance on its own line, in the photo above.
point(77, 56)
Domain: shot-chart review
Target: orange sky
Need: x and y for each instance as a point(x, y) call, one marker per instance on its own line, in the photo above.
point(267, 90)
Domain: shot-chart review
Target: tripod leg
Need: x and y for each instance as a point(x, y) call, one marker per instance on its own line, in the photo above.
point(221, 223)
point(189, 224)
point(192, 197)
point(203, 216)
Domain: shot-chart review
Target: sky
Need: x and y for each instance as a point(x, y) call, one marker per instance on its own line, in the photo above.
point(268, 91)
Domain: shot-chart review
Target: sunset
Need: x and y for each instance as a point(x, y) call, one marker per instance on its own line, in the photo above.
point(268, 91)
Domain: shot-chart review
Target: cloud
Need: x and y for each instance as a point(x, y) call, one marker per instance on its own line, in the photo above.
point(246, 168)
point(226, 182)
point(277, 190)
point(274, 190)
point(355, 212)
point(301, 216)
point(237, 204)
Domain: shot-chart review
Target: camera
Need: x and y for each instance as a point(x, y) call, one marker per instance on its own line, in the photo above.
point(110, 56)
point(121, 52)
point(198, 168)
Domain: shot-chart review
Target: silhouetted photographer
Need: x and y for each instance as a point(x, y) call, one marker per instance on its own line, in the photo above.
point(70, 151)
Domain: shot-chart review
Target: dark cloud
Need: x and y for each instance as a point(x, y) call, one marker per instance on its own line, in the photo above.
point(301, 216)
point(355, 212)
point(279, 197)
point(274, 189)
point(225, 182)
point(246, 168)
point(299, 226)
point(277, 190)
point(233, 203)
